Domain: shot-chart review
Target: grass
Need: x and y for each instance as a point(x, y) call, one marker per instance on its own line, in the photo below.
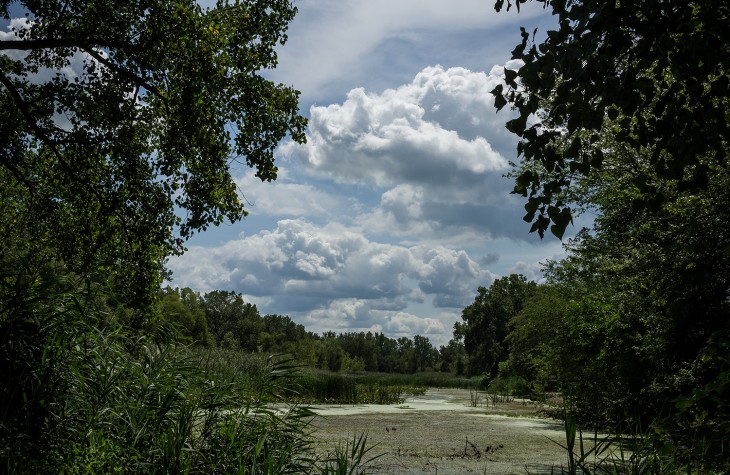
point(431, 379)
point(333, 388)
point(353, 458)
point(369, 388)
point(83, 395)
point(635, 452)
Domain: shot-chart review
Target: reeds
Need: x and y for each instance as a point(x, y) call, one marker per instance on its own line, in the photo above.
point(352, 459)
point(635, 452)
point(82, 395)
point(335, 388)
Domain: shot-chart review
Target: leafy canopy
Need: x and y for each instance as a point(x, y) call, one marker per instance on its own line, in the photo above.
point(659, 70)
point(121, 121)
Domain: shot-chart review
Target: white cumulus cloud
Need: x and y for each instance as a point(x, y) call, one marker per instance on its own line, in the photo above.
point(334, 277)
point(430, 147)
point(429, 132)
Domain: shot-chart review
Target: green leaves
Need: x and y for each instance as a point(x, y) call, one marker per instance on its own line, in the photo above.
point(132, 153)
point(499, 100)
point(561, 217)
point(509, 77)
point(664, 80)
point(486, 320)
point(517, 126)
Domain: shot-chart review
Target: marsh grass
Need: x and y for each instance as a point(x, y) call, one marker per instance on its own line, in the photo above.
point(83, 395)
point(333, 388)
point(430, 379)
point(354, 458)
point(475, 398)
point(635, 452)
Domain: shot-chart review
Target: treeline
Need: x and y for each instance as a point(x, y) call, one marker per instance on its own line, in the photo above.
point(222, 319)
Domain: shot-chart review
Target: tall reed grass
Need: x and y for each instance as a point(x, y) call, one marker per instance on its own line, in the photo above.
point(333, 388)
point(636, 451)
point(82, 395)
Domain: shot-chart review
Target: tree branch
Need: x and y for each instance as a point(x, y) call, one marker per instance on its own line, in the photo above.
point(27, 45)
point(41, 135)
point(139, 81)
point(5, 161)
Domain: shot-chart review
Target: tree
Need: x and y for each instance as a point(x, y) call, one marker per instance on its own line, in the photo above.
point(388, 358)
point(330, 354)
point(182, 307)
point(453, 357)
point(361, 345)
point(638, 312)
point(658, 70)
point(485, 322)
point(665, 275)
point(425, 354)
point(537, 334)
point(279, 334)
point(228, 314)
point(120, 123)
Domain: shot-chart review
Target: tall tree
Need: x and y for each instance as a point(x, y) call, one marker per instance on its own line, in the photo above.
point(228, 314)
point(424, 353)
point(453, 357)
point(641, 305)
point(120, 123)
point(182, 308)
point(485, 322)
point(660, 70)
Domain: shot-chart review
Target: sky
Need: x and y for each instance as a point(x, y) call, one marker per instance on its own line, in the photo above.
point(396, 209)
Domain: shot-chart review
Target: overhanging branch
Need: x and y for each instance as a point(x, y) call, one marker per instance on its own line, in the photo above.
point(43, 137)
point(29, 45)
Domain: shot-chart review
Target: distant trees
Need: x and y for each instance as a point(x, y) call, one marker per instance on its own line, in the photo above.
point(182, 306)
point(222, 318)
point(453, 357)
point(232, 320)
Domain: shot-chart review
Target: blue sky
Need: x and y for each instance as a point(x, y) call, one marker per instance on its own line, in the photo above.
point(396, 209)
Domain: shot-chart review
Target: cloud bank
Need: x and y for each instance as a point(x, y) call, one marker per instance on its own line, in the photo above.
point(335, 277)
point(435, 148)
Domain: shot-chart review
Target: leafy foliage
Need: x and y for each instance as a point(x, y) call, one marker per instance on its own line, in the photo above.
point(658, 70)
point(485, 322)
point(228, 315)
point(182, 308)
point(120, 123)
point(623, 111)
point(633, 324)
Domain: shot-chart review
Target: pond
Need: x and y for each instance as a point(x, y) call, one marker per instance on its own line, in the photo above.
point(440, 432)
